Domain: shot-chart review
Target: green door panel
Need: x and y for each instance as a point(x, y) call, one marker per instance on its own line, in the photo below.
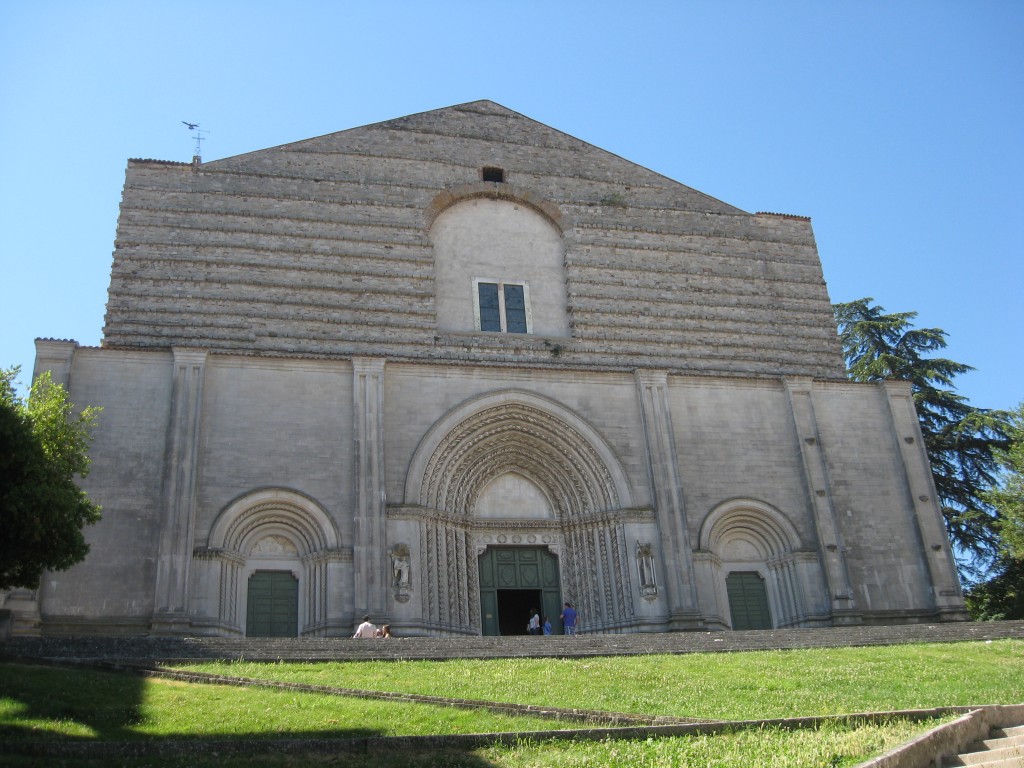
point(748, 601)
point(518, 568)
point(489, 612)
point(272, 605)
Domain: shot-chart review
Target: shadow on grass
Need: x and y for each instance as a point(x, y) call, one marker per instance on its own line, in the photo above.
point(52, 703)
point(63, 703)
point(434, 759)
point(57, 705)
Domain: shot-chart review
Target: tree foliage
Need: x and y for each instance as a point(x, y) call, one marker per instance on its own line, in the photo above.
point(963, 442)
point(1008, 496)
point(43, 446)
point(1001, 596)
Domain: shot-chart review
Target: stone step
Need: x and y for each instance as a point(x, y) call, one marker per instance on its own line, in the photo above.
point(997, 741)
point(344, 648)
point(1011, 756)
point(1004, 748)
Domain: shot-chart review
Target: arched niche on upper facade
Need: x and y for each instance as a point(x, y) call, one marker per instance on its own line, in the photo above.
point(498, 265)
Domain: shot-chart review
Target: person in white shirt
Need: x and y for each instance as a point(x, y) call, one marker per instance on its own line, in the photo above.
point(366, 629)
point(534, 626)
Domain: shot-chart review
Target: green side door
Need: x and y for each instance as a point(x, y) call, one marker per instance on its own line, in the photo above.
point(272, 605)
point(748, 600)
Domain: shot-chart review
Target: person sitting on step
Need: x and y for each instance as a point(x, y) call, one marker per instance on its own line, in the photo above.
point(366, 629)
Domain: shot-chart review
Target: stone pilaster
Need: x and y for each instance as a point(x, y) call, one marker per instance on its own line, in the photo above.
point(663, 465)
point(177, 520)
point(819, 492)
point(923, 499)
point(369, 547)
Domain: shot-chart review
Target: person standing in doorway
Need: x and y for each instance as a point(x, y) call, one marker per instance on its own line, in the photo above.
point(534, 626)
point(569, 617)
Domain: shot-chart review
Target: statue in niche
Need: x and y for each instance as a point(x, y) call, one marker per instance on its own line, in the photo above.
point(401, 571)
point(645, 570)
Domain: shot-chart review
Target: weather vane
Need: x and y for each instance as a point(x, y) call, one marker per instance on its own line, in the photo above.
point(198, 136)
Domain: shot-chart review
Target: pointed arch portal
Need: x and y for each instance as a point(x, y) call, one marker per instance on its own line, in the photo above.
point(517, 477)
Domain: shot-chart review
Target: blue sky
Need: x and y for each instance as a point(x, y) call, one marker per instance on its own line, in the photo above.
point(896, 126)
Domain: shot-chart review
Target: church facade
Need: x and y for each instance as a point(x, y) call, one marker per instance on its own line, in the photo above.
point(448, 368)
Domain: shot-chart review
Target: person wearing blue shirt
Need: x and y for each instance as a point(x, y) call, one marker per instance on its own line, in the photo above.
point(569, 617)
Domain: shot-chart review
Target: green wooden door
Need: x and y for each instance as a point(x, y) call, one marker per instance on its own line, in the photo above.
point(748, 601)
point(272, 605)
point(509, 571)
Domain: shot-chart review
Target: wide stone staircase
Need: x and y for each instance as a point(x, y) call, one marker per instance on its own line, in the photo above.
point(1003, 749)
point(147, 649)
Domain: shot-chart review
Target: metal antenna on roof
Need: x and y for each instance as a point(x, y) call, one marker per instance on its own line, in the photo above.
point(197, 157)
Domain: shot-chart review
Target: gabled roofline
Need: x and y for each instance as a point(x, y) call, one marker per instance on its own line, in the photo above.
point(464, 107)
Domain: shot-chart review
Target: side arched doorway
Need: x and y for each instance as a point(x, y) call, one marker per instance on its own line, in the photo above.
point(270, 568)
point(512, 581)
point(760, 575)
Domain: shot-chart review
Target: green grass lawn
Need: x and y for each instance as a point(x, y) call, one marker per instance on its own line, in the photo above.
point(729, 686)
point(60, 704)
point(832, 746)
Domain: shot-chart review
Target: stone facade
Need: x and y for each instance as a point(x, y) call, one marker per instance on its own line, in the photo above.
point(656, 425)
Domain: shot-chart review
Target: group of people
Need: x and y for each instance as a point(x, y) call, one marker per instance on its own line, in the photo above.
point(369, 629)
point(538, 626)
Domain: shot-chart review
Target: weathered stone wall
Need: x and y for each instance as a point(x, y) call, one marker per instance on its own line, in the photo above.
point(736, 440)
point(321, 248)
point(268, 427)
point(276, 423)
point(293, 383)
point(116, 580)
point(417, 396)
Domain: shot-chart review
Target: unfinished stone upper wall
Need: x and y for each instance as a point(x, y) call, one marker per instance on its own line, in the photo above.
point(321, 248)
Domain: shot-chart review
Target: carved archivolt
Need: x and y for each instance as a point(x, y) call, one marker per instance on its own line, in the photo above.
point(751, 526)
point(522, 433)
point(285, 515)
